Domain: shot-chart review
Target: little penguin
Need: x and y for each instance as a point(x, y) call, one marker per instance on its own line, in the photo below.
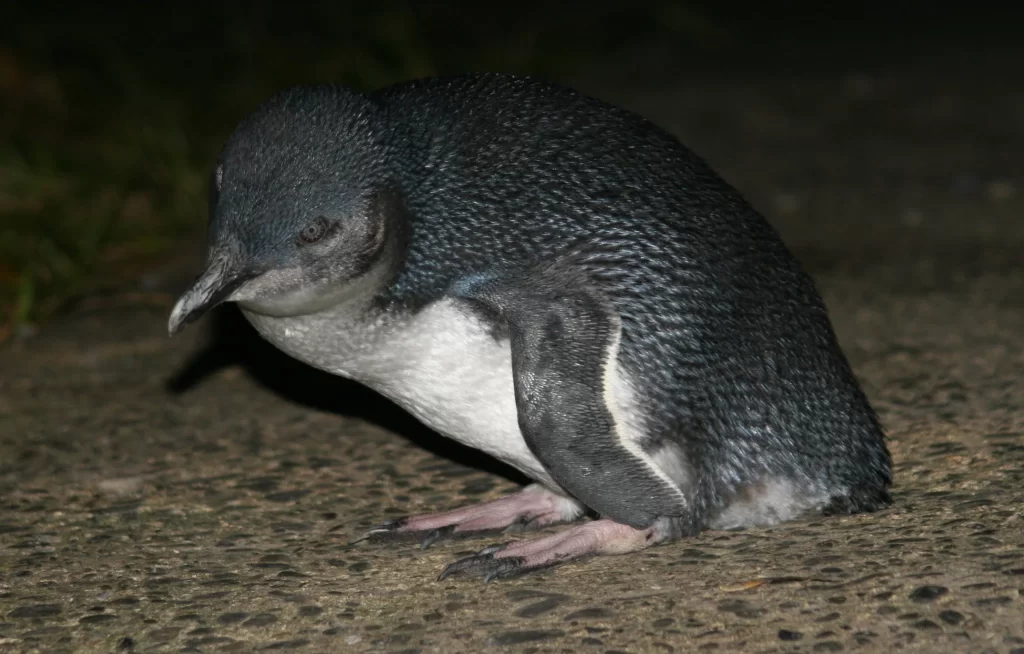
point(555, 281)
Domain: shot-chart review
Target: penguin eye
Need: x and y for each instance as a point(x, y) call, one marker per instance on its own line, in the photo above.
point(314, 231)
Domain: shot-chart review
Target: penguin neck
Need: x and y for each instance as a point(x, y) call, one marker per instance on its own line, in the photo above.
point(339, 337)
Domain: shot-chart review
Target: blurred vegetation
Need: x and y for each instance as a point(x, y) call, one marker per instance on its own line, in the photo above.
point(112, 113)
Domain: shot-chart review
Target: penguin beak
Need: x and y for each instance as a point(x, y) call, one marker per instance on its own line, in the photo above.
point(213, 287)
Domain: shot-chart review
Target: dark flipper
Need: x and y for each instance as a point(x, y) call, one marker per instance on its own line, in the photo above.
point(565, 338)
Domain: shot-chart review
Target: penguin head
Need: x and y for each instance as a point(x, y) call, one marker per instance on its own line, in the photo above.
point(302, 211)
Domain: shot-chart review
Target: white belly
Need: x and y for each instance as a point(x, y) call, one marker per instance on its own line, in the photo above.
point(450, 373)
point(441, 365)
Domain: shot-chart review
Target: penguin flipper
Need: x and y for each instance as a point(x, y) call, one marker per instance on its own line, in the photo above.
point(564, 338)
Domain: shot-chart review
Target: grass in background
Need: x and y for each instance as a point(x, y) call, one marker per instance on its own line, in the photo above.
point(111, 117)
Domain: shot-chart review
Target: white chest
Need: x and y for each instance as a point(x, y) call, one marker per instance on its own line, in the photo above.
point(441, 365)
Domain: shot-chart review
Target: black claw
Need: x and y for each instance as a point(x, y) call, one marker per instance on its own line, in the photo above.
point(485, 565)
point(435, 535)
point(392, 525)
point(504, 574)
point(528, 523)
point(465, 564)
point(383, 530)
point(470, 566)
point(491, 549)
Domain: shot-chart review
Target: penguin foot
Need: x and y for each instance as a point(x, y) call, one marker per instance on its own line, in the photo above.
point(583, 541)
point(531, 508)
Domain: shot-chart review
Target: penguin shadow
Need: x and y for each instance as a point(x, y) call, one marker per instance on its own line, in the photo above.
point(235, 342)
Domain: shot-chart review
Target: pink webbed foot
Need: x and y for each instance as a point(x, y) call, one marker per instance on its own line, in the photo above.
point(521, 557)
point(531, 508)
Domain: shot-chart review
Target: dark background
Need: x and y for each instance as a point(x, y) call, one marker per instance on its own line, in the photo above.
point(112, 112)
